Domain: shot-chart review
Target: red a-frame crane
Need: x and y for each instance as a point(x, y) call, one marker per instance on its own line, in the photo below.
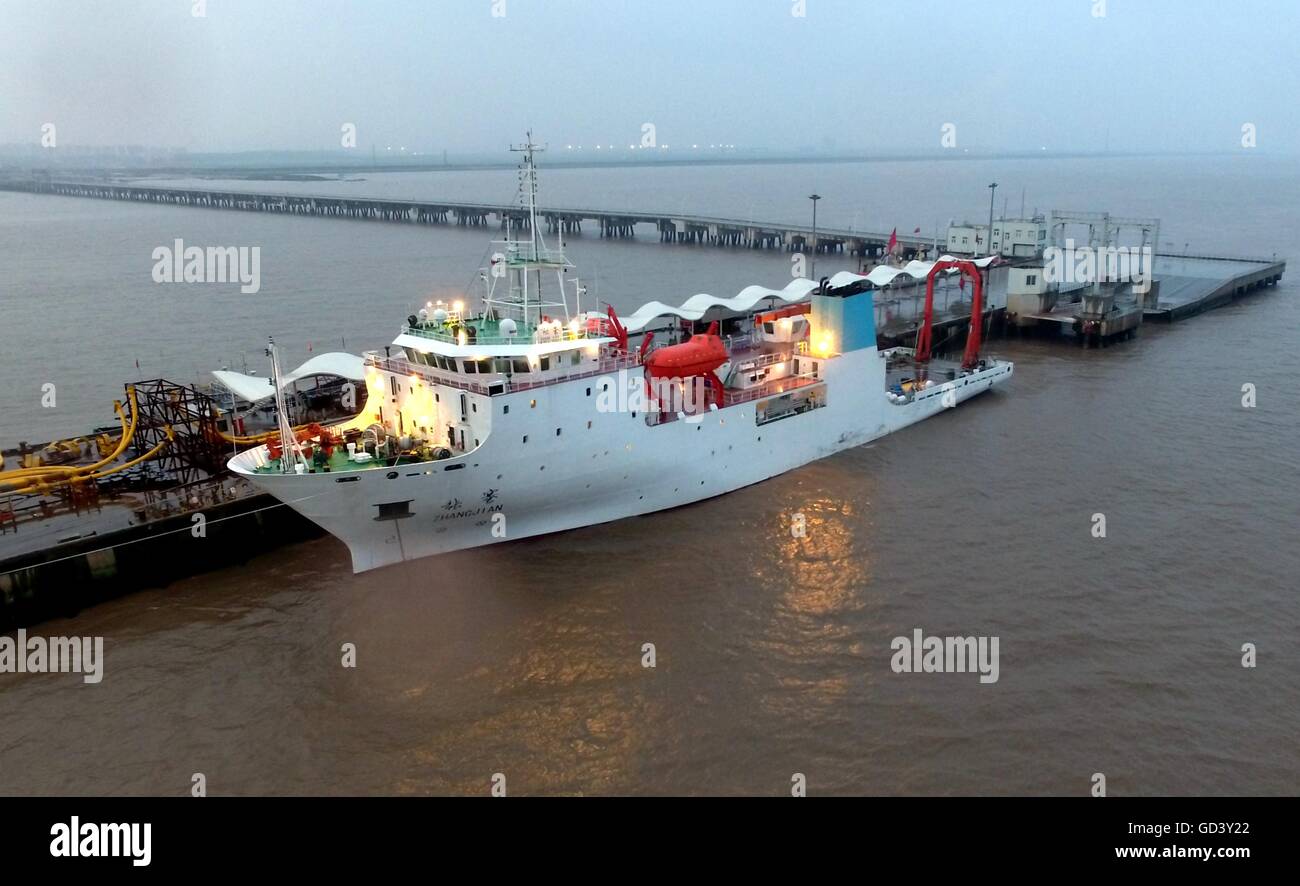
point(924, 335)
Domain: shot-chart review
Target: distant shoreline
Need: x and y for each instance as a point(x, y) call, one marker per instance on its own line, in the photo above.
point(261, 169)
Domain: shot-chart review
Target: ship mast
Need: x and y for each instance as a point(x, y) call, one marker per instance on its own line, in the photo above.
point(526, 260)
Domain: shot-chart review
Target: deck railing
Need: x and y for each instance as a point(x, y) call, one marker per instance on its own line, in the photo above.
point(451, 337)
point(484, 382)
point(769, 388)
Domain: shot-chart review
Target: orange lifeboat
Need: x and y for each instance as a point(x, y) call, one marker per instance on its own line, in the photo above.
point(700, 355)
point(697, 357)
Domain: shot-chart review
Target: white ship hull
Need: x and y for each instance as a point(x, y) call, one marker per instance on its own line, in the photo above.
point(553, 461)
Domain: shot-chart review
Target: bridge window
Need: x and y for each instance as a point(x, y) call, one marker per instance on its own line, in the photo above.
point(520, 365)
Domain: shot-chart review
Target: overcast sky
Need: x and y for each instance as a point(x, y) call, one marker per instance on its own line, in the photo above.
point(850, 74)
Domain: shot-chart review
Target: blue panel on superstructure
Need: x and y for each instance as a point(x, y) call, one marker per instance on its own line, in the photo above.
point(849, 320)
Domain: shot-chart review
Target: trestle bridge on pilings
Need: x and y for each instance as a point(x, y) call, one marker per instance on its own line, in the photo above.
point(671, 227)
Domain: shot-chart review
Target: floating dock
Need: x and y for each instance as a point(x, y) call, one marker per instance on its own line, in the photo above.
point(114, 554)
point(1192, 284)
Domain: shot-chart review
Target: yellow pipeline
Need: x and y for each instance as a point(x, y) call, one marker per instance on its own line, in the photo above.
point(171, 435)
point(40, 479)
point(48, 484)
point(256, 439)
point(128, 433)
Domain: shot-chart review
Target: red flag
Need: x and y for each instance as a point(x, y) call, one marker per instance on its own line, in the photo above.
point(893, 241)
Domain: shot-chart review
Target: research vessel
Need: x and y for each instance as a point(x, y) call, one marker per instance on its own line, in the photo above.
point(517, 417)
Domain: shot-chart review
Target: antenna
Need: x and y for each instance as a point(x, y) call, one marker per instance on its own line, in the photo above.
point(528, 182)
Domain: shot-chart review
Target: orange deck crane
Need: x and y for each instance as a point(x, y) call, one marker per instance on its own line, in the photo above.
point(924, 336)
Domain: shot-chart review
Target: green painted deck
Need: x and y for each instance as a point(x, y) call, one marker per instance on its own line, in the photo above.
point(338, 464)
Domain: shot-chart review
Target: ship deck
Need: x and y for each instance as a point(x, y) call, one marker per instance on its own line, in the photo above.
point(339, 463)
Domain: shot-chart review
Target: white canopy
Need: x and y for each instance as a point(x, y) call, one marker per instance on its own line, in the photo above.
point(255, 388)
point(917, 270)
point(695, 307)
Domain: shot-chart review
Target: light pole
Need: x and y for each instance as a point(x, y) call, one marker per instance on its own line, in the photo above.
point(993, 189)
point(812, 262)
